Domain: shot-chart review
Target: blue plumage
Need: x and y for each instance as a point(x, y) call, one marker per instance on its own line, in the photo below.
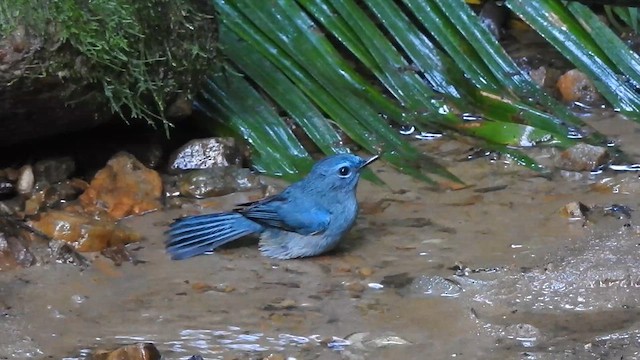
point(307, 219)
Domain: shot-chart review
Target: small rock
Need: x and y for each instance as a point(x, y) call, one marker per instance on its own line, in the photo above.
point(356, 288)
point(539, 75)
point(575, 211)
point(334, 342)
point(53, 170)
point(494, 16)
point(54, 195)
point(544, 76)
point(150, 154)
point(83, 232)
point(64, 191)
point(397, 281)
point(205, 154)
point(139, 351)
point(124, 187)
point(572, 175)
point(119, 255)
point(7, 188)
point(22, 247)
point(623, 183)
point(11, 174)
point(13, 206)
point(201, 287)
point(26, 180)
point(365, 272)
point(14, 252)
point(576, 87)
point(583, 157)
point(64, 253)
point(199, 184)
point(280, 304)
point(33, 205)
point(181, 107)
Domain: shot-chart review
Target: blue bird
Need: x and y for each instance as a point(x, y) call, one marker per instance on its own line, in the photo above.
point(308, 218)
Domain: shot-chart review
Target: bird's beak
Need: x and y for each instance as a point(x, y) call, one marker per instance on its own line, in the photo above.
point(372, 159)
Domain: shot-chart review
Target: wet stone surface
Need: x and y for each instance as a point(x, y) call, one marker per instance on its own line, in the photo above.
point(513, 266)
point(575, 86)
point(205, 154)
point(123, 187)
point(212, 182)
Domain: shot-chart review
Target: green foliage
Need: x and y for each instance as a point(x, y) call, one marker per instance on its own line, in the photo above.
point(628, 15)
point(590, 45)
point(343, 67)
point(118, 47)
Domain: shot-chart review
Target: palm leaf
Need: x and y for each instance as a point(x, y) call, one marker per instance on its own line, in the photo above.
point(345, 67)
point(554, 20)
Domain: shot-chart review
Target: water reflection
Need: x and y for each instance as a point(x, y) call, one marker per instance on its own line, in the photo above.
point(215, 342)
point(420, 135)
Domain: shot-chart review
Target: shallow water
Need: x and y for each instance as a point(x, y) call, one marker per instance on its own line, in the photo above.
point(492, 271)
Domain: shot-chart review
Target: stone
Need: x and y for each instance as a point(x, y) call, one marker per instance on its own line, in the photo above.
point(205, 154)
point(7, 188)
point(545, 77)
point(575, 210)
point(14, 252)
point(583, 157)
point(26, 180)
point(181, 107)
point(83, 232)
point(576, 87)
point(397, 281)
point(54, 195)
point(624, 183)
point(139, 351)
point(122, 188)
point(53, 170)
point(219, 181)
point(365, 272)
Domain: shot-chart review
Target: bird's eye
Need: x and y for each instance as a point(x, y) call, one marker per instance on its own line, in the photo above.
point(344, 171)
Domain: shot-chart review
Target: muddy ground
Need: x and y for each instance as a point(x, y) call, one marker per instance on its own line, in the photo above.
point(492, 271)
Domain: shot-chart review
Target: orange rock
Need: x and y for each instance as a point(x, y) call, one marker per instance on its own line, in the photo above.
point(201, 287)
point(85, 233)
point(124, 187)
point(575, 210)
point(140, 351)
point(575, 86)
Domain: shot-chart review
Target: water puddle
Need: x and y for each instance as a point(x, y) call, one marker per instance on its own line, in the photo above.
point(489, 271)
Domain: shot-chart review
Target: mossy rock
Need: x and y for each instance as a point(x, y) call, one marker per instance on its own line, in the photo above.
point(71, 64)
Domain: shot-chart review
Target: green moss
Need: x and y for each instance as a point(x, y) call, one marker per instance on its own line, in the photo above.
point(141, 53)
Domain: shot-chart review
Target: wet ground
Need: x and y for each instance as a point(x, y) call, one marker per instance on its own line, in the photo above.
point(492, 271)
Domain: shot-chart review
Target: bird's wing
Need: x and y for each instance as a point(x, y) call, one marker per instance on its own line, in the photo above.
point(281, 211)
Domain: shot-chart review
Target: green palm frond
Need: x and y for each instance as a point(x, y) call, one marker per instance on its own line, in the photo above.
point(628, 15)
point(339, 69)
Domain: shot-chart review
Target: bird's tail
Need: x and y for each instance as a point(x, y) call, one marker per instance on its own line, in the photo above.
point(195, 235)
